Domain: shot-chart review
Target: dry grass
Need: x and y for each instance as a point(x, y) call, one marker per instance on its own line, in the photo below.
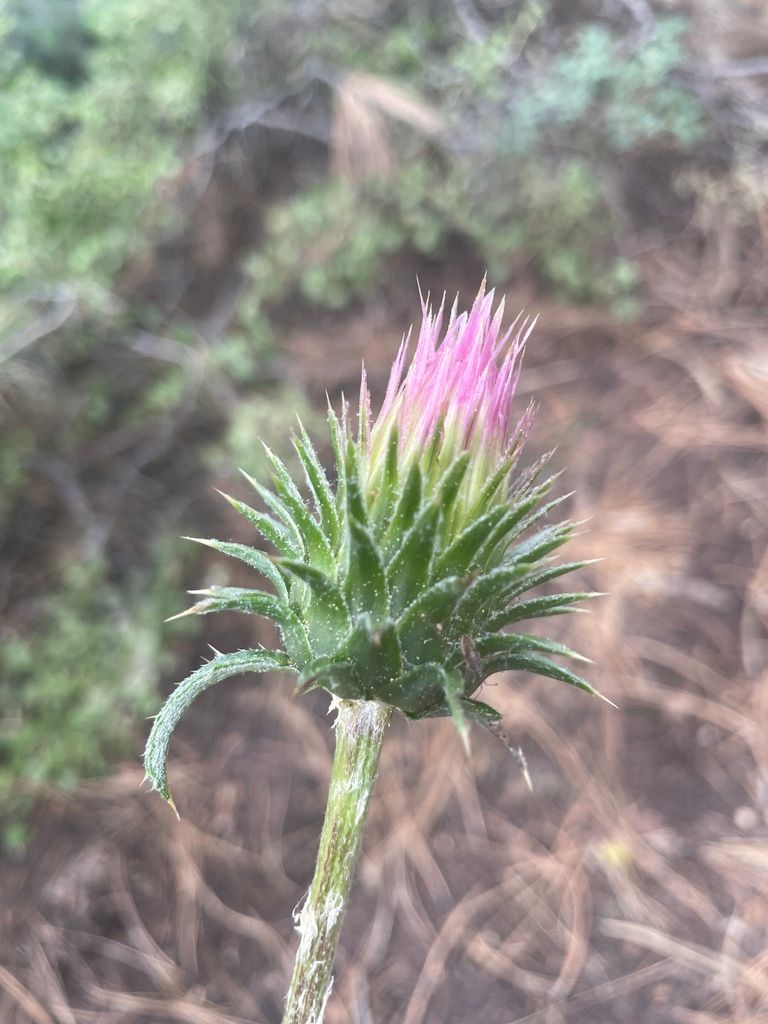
point(632, 884)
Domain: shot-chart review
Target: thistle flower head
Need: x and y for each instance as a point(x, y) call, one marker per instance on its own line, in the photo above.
point(400, 581)
point(454, 397)
point(460, 383)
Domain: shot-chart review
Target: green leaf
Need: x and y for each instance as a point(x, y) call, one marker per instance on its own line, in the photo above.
point(256, 602)
point(509, 661)
point(391, 462)
point(528, 477)
point(374, 649)
point(406, 510)
point(423, 624)
point(537, 579)
point(364, 413)
point(279, 509)
point(240, 599)
point(539, 544)
point(416, 691)
point(316, 545)
point(355, 504)
point(538, 607)
point(408, 572)
point(365, 582)
point(326, 615)
point(276, 533)
point(475, 711)
point(453, 688)
point(321, 585)
point(339, 447)
point(494, 489)
point(383, 504)
point(461, 555)
point(482, 596)
point(479, 712)
point(489, 493)
point(321, 489)
point(220, 667)
point(450, 482)
point(513, 522)
point(502, 643)
point(251, 556)
point(338, 677)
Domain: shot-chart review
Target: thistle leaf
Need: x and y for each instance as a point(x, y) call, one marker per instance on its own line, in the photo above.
point(315, 543)
point(355, 504)
point(318, 484)
point(408, 572)
point(415, 691)
point(390, 463)
point(374, 649)
point(461, 555)
point(537, 607)
point(251, 556)
point(536, 579)
point(279, 509)
point(448, 490)
point(501, 643)
point(406, 509)
point(321, 585)
point(365, 582)
point(382, 504)
point(338, 677)
point(493, 485)
point(339, 447)
point(506, 661)
point(453, 688)
point(326, 615)
point(539, 544)
point(436, 603)
point(240, 599)
point(220, 667)
point(514, 522)
point(479, 712)
point(276, 533)
point(450, 482)
point(475, 710)
point(257, 602)
point(483, 592)
point(423, 624)
point(528, 477)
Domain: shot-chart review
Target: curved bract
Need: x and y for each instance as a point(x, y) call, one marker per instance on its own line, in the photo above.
point(395, 582)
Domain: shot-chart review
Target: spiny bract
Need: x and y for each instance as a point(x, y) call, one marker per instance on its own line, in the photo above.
point(394, 584)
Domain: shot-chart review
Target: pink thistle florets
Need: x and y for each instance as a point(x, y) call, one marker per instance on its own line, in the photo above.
point(458, 390)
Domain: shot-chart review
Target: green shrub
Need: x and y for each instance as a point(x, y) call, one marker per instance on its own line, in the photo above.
point(525, 172)
point(74, 684)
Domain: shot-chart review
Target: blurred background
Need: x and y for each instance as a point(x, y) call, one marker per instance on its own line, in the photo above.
point(210, 213)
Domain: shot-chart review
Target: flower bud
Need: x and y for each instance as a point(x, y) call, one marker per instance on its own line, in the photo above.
point(398, 582)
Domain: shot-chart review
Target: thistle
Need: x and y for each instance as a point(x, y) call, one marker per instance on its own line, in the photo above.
point(394, 587)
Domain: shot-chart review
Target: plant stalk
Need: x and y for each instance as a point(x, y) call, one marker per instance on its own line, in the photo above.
point(360, 729)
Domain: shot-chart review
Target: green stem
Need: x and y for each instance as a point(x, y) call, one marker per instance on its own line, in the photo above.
point(360, 728)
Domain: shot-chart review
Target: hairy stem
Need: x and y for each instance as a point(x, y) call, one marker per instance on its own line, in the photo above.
point(360, 728)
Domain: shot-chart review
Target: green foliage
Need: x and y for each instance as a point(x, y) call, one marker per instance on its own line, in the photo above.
point(73, 686)
point(525, 174)
point(81, 160)
point(325, 242)
point(596, 88)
